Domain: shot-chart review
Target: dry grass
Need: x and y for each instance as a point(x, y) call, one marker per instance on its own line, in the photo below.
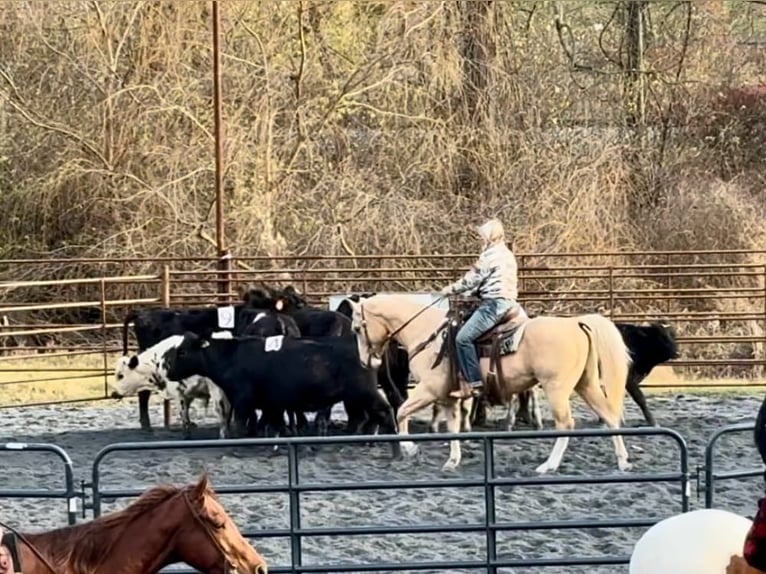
point(75, 379)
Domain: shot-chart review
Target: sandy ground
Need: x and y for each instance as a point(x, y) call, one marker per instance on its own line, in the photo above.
point(82, 431)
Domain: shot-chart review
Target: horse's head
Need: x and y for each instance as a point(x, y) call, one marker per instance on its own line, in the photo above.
point(371, 334)
point(209, 540)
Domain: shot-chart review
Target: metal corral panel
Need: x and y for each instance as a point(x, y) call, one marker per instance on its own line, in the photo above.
point(424, 298)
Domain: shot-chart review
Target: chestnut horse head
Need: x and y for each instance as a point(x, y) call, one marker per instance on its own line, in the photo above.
point(166, 525)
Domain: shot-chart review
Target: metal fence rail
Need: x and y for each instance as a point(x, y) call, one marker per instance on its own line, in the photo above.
point(67, 494)
point(712, 477)
point(490, 526)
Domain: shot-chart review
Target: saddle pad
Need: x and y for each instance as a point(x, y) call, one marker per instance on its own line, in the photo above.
point(509, 343)
point(8, 546)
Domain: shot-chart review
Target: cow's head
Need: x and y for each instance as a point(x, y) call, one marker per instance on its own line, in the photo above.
point(186, 359)
point(130, 377)
point(665, 340)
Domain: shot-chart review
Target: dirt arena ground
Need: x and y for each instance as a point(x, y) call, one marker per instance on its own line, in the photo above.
point(82, 431)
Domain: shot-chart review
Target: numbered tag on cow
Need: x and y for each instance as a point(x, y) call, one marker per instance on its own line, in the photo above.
point(273, 343)
point(226, 317)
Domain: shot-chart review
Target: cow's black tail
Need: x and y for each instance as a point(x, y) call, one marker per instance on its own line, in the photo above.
point(129, 318)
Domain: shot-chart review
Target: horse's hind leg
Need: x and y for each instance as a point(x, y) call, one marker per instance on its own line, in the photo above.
point(596, 400)
point(562, 415)
point(534, 402)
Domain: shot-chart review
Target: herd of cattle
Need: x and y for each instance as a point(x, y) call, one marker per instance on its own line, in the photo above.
point(305, 360)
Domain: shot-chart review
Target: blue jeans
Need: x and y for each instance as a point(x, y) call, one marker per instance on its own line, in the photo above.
point(483, 319)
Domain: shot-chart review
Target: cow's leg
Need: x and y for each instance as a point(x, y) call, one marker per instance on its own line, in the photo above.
point(143, 410)
point(534, 402)
point(301, 422)
point(186, 423)
point(221, 408)
point(381, 413)
point(638, 396)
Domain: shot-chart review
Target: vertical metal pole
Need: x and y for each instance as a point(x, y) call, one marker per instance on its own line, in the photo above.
point(611, 293)
point(489, 505)
point(103, 337)
point(223, 278)
point(296, 554)
point(166, 303)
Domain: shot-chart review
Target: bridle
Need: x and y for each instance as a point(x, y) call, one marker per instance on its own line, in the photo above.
point(227, 565)
point(34, 550)
point(390, 337)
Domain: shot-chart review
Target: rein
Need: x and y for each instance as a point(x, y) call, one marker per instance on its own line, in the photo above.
point(387, 340)
point(34, 550)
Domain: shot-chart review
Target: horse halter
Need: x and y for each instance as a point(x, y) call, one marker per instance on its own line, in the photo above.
point(15, 554)
point(228, 567)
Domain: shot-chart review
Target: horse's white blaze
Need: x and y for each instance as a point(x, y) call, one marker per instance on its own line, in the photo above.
point(699, 542)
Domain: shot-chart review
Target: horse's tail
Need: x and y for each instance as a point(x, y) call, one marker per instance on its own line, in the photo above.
point(591, 361)
point(613, 357)
point(129, 318)
point(760, 432)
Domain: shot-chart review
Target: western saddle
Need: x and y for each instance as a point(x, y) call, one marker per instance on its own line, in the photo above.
point(488, 344)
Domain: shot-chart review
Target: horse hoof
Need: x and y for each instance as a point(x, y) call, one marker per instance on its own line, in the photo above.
point(625, 466)
point(450, 465)
point(543, 468)
point(409, 448)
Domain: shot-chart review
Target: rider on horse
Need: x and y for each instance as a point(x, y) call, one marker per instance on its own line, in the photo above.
point(494, 278)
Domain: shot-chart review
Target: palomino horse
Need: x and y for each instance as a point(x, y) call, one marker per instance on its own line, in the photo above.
point(166, 525)
point(562, 354)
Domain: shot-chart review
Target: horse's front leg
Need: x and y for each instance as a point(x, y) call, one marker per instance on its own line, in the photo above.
point(418, 400)
point(510, 418)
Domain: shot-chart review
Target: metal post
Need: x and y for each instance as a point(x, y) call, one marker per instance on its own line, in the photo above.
point(489, 504)
point(293, 480)
point(103, 337)
point(223, 263)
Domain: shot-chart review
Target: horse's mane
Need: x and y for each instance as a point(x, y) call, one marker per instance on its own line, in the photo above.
point(80, 548)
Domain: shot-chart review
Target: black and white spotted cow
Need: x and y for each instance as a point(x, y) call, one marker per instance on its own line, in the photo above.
point(147, 371)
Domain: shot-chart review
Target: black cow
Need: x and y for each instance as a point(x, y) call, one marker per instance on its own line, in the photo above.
point(394, 373)
point(312, 322)
point(649, 346)
point(155, 324)
point(301, 375)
